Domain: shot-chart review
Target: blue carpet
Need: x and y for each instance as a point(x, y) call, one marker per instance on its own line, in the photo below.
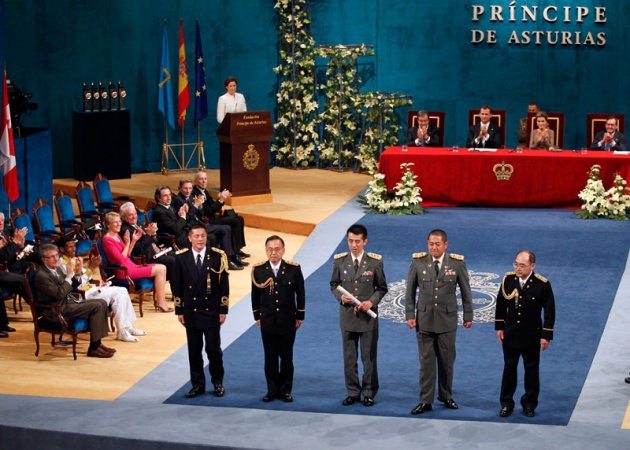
point(584, 261)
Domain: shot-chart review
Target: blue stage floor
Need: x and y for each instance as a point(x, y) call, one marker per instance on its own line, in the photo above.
point(589, 415)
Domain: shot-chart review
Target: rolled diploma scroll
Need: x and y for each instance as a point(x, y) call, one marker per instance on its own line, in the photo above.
point(163, 252)
point(369, 312)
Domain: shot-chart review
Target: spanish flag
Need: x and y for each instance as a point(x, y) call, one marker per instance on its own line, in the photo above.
point(184, 93)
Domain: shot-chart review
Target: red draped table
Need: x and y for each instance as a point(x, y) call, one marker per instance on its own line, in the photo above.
point(538, 178)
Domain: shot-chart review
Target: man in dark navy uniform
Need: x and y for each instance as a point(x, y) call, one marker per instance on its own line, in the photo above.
point(521, 299)
point(201, 294)
point(278, 300)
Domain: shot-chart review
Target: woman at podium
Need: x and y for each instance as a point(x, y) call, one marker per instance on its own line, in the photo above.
point(231, 101)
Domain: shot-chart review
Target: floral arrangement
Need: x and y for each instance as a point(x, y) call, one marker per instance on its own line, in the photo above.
point(403, 200)
point(296, 135)
point(341, 117)
point(613, 203)
point(380, 126)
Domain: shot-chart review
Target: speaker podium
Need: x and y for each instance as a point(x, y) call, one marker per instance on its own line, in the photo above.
point(244, 146)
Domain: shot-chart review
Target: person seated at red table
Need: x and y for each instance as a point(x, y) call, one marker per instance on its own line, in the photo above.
point(542, 137)
point(423, 135)
point(521, 133)
point(484, 134)
point(118, 251)
point(611, 138)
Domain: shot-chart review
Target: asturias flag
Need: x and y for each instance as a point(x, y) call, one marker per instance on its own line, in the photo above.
point(165, 88)
point(7, 150)
point(201, 96)
point(184, 93)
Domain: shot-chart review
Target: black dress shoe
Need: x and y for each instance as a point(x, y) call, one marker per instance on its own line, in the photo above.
point(194, 392)
point(233, 266)
point(627, 380)
point(506, 411)
point(219, 390)
point(240, 262)
point(529, 412)
point(450, 404)
point(8, 329)
point(269, 397)
point(421, 408)
point(3, 334)
point(242, 254)
point(287, 397)
point(368, 401)
point(350, 400)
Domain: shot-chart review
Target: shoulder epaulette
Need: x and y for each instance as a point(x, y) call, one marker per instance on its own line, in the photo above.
point(258, 264)
point(341, 255)
point(182, 250)
point(419, 255)
point(292, 263)
point(375, 256)
point(456, 256)
point(541, 278)
point(510, 273)
point(218, 250)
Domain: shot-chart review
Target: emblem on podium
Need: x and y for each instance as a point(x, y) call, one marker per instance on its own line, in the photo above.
point(251, 158)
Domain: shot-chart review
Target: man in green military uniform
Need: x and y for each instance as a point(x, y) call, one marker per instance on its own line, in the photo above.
point(361, 274)
point(434, 316)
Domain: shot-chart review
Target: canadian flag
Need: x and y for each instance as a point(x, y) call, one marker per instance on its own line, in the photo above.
point(7, 150)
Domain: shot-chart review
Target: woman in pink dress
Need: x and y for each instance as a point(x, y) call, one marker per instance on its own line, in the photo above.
point(118, 250)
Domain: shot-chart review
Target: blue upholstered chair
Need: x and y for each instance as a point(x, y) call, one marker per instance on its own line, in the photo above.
point(68, 220)
point(60, 326)
point(139, 286)
point(104, 196)
point(85, 200)
point(20, 219)
point(44, 221)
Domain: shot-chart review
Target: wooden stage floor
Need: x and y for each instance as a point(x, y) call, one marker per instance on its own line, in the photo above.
point(301, 200)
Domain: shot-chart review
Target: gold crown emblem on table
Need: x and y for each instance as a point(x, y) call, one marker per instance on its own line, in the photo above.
point(503, 171)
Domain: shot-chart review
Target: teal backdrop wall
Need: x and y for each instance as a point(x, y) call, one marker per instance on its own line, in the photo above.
point(423, 48)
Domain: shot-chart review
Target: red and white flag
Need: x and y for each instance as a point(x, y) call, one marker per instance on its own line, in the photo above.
point(7, 149)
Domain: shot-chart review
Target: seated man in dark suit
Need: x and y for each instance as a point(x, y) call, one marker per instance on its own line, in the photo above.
point(484, 134)
point(13, 283)
point(53, 286)
point(211, 208)
point(423, 135)
point(14, 250)
point(147, 245)
point(216, 232)
point(610, 139)
point(169, 219)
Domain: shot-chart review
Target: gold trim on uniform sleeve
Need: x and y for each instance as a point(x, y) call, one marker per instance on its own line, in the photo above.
point(177, 301)
point(225, 301)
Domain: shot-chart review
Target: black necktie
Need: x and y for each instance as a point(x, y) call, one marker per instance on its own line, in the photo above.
point(356, 265)
point(198, 262)
point(437, 266)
